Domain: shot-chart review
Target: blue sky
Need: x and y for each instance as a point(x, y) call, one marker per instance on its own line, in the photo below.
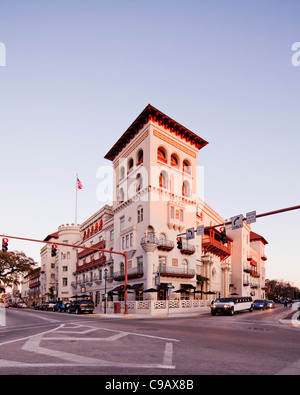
point(79, 72)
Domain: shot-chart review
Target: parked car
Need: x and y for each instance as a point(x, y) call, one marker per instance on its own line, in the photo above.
point(260, 304)
point(61, 305)
point(81, 306)
point(5, 305)
point(270, 304)
point(49, 305)
point(22, 305)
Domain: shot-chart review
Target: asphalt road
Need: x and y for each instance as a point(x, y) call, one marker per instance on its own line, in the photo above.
point(48, 343)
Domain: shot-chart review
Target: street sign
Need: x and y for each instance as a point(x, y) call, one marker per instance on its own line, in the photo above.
point(170, 285)
point(200, 230)
point(237, 222)
point(251, 217)
point(157, 280)
point(190, 234)
point(83, 290)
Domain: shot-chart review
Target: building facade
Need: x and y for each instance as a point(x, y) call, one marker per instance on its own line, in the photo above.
point(155, 199)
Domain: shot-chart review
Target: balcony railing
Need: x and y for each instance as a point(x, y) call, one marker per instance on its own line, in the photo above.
point(135, 272)
point(165, 245)
point(170, 271)
point(211, 242)
point(84, 253)
point(92, 264)
point(188, 249)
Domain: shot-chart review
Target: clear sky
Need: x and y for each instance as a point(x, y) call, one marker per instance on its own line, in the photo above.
point(79, 72)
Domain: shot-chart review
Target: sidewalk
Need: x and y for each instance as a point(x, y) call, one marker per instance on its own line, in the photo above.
point(101, 314)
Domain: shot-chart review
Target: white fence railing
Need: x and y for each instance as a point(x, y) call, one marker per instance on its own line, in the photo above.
point(158, 307)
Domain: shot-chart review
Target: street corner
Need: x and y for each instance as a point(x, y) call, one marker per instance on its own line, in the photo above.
point(292, 319)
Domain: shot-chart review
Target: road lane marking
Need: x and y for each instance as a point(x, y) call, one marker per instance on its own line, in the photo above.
point(31, 336)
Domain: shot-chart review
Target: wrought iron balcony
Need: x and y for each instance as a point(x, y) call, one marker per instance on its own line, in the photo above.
point(165, 245)
point(170, 271)
point(135, 272)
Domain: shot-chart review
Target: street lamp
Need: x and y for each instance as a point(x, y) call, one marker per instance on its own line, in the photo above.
point(105, 294)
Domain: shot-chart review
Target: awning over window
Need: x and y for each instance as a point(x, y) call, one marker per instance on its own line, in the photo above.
point(136, 286)
point(187, 286)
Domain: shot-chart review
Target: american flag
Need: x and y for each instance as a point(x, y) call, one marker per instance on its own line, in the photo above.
point(79, 184)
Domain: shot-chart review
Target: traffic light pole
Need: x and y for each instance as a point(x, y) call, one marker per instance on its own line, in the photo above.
point(85, 248)
point(283, 210)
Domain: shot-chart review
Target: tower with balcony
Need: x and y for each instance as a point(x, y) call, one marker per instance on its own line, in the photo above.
point(155, 198)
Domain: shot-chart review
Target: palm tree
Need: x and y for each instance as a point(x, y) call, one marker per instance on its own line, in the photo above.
point(201, 280)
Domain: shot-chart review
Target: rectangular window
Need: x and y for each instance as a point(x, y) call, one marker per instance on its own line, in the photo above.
point(131, 239)
point(172, 212)
point(127, 241)
point(112, 235)
point(122, 223)
point(140, 262)
point(64, 282)
point(181, 215)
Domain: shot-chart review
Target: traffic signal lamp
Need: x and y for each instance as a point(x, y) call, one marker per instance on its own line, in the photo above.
point(223, 235)
point(179, 243)
point(4, 244)
point(54, 250)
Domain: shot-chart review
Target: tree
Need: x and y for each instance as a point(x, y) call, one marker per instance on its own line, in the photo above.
point(12, 264)
point(201, 280)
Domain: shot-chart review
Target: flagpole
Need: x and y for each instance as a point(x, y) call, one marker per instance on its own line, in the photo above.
point(76, 186)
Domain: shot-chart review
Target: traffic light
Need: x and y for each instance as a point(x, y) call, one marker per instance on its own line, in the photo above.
point(4, 244)
point(223, 235)
point(179, 243)
point(54, 250)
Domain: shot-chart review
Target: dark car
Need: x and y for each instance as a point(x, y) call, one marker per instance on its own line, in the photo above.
point(49, 305)
point(260, 304)
point(38, 306)
point(81, 306)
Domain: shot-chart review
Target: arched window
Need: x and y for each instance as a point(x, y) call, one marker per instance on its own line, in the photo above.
point(185, 266)
point(122, 173)
point(186, 190)
point(139, 182)
point(121, 195)
point(130, 165)
point(162, 237)
point(186, 166)
point(140, 157)
point(175, 161)
point(162, 155)
point(163, 179)
point(150, 233)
